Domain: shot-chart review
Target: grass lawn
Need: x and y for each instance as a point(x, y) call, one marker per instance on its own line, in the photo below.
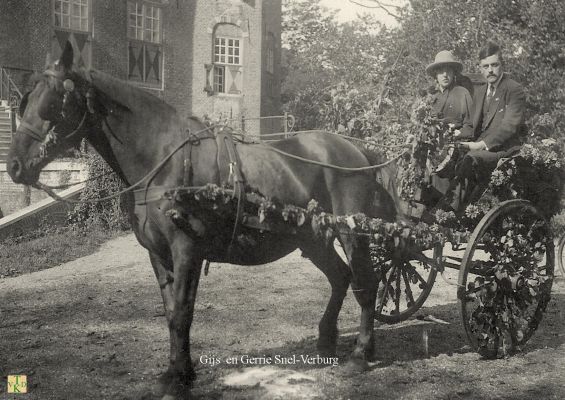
point(49, 247)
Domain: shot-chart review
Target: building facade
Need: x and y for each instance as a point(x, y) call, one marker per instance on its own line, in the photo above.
point(215, 58)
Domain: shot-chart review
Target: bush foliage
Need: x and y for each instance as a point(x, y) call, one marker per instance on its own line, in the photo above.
point(359, 76)
point(109, 214)
point(364, 79)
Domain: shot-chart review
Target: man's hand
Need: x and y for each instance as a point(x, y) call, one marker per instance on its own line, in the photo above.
point(454, 130)
point(474, 145)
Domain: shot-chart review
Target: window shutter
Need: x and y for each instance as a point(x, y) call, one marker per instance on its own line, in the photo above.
point(208, 88)
point(234, 79)
point(81, 46)
point(152, 64)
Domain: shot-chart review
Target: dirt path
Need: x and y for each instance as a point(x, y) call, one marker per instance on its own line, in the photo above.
point(94, 329)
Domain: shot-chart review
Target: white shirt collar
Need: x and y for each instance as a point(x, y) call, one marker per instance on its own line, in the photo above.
point(495, 84)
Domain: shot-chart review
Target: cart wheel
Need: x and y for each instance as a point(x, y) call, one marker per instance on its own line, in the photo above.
point(506, 277)
point(405, 283)
point(561, 256)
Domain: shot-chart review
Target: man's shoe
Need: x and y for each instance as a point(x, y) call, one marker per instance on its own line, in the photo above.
point(446, 169)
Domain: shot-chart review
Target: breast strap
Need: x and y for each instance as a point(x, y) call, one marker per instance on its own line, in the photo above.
point(224, 139)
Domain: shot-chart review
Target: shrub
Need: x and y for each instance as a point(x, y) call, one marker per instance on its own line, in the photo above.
point(109, 214)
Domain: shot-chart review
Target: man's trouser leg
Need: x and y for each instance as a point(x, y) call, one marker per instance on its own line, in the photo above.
point(475, 168)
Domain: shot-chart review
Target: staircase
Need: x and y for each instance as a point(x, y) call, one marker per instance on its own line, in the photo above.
point(5, 133)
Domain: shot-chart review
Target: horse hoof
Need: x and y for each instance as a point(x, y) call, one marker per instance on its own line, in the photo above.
point(356, 366)
point(180, 392)
point(163, 382)
point(327, 351)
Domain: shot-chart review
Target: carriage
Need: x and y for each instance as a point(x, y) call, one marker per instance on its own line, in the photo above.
point(211, 195)
point(502, 247)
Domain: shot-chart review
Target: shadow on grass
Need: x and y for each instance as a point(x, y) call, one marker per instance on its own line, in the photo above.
point(404, 343)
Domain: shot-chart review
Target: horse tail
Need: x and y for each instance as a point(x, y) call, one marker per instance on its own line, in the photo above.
point(386, 195)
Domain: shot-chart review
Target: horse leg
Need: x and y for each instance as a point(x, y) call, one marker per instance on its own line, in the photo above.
point(363, 284)
point(337, 272)
point(187, 267)
point(165, 280)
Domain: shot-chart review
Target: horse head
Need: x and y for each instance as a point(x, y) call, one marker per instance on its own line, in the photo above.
point(53, 119)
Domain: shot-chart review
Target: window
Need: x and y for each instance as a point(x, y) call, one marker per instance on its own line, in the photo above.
point(227, 70)
point(145, 48)
point(144, 22)
point(226, 51)
point(219, 79)
point(71, 14)
point(71, 23)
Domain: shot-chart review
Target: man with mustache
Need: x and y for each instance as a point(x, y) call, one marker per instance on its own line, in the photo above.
point(495, 129)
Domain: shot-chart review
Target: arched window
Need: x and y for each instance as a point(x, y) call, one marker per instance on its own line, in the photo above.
point(225, 74)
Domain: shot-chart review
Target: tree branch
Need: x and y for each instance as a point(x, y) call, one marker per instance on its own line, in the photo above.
point(380, 5)
point(385, 90)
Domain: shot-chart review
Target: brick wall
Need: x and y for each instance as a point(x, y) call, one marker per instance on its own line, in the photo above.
point(178, 55)
point(109, 39)
point(12, 17)
point(272, 17)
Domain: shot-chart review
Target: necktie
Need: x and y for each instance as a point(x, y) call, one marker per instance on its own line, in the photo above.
point(490, 93)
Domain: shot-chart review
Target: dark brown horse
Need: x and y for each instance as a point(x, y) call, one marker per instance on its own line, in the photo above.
point(135, 131)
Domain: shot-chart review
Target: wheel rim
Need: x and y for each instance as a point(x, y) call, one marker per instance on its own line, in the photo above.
point(504, 291)
point(404, 285)
point(560, 255)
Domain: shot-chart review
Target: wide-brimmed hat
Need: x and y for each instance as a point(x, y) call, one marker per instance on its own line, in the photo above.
point(444, 57)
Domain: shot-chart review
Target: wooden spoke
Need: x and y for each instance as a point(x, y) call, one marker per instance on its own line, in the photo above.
point(398, 291)
point(413, 281)
point(502, 299)
point(408, 288)
point(382, 302)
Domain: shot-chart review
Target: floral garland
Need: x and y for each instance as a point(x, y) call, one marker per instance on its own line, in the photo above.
point(539, 161)
point(429, 136)
point(324, 225)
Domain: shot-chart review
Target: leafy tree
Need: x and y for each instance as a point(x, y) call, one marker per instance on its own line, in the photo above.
point(387, 65)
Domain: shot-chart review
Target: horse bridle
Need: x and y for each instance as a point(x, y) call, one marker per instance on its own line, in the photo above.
point(51, 136)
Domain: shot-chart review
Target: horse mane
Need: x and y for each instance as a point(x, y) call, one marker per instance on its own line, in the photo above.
point(129, 96)
point(385, 176)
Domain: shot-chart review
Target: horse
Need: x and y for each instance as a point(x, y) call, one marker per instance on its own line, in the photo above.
point(137, 133)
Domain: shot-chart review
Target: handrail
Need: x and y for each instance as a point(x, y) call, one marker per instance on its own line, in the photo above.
point(8, 86)
point(10, 82)
point(15, 68)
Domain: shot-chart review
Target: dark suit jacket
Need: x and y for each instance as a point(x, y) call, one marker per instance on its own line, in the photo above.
point(505, 121)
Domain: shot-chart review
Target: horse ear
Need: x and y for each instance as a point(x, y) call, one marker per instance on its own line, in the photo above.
point(67, 57)
point(48, 60)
